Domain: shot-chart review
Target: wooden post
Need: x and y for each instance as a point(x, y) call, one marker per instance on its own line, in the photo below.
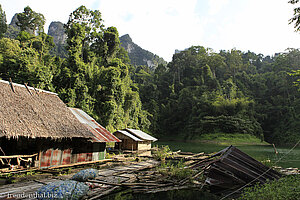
point(276, 152)
point(40, 159)
point(8, 161)
point(18, 161)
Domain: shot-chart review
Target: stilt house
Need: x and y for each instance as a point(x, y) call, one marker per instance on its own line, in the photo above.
point(38, 130)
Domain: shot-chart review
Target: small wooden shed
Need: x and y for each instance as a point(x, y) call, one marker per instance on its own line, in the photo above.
point(38, 130)
point(135, 140)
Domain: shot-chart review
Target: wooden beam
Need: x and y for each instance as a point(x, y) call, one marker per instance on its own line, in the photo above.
point(18, 161)
point(18, 156)
point(129, 184)
point(81, 163)
point(40, 159)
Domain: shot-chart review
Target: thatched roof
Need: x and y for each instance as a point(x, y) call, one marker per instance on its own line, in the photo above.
point(36, 114)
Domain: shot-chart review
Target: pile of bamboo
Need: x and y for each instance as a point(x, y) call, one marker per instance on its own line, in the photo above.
point(147, 179)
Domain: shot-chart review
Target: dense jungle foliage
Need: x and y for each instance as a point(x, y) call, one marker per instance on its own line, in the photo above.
point(199, 92)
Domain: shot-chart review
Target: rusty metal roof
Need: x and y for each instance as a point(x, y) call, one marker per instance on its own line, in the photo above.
point(100, 133)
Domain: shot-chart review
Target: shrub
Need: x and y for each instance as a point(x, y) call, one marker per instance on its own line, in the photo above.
point(162, 153)
point(286, 188)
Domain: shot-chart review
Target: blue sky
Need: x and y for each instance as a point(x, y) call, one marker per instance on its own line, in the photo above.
point(161, 26)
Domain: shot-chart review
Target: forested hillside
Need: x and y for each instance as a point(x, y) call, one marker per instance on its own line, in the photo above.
point(202, 92)
point(199, 92)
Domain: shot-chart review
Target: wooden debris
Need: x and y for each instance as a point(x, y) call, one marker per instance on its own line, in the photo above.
point(144, 177)
point(234, 169)
point(81, 163)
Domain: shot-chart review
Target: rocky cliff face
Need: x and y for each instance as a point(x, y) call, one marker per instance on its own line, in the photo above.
point(14, 21)
point(57, 31)
point(139, 56)
point(12, 28)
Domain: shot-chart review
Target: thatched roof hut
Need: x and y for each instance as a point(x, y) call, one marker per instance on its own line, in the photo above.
point(31, 113)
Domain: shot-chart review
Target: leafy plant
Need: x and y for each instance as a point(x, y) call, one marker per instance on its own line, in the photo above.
point(162, 153)
point(109, 155)
point(286, 188)
point(175, 171)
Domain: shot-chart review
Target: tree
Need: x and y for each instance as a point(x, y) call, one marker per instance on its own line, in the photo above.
point(31, 21)
point(296, 18)
point(3, 25)
point(25, 64)
point(92, 78)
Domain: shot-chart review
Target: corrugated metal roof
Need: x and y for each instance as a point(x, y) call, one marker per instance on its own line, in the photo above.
point(129, 135)
point(234, 168)
point(141, 134)
point(100, 133)
point(137, 135)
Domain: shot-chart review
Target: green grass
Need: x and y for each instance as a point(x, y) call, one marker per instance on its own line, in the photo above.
point(286, 188)
point(229, 139)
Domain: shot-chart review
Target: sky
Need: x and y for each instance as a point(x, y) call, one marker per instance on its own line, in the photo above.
point(161, 26)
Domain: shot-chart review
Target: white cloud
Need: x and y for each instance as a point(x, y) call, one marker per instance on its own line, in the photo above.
point(216, 5)
point(158, 26)
point(261, 27)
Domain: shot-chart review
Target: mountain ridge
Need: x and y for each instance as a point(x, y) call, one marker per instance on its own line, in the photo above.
point(140, 56)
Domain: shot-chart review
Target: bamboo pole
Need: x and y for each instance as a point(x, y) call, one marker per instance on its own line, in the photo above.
point(18, 156)
point(130, 184)
point(276, 152)
point(82, 163)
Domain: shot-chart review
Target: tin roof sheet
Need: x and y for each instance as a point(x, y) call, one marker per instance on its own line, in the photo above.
point(100, 133)
point(141, 134)
point(129, 135)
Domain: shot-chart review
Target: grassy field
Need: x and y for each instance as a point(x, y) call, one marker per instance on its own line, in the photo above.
point(230, 139)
